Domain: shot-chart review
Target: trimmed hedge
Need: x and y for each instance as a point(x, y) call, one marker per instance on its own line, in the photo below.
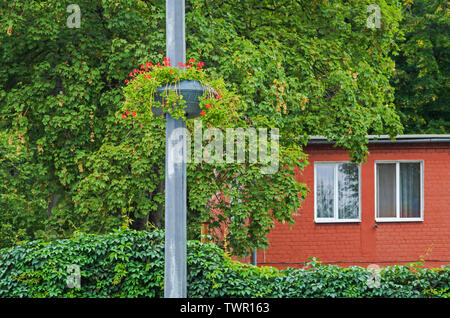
point(129, 263)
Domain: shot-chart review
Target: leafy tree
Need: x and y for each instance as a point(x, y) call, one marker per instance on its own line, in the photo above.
point(61, 86)
point(305, 67)
point(308, 67)
point(422, 68)
point(18, 199)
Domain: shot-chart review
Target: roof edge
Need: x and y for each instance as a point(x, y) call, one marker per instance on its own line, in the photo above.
point(387, 139)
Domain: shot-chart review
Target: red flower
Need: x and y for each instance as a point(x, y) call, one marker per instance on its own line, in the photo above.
point(208, 105)
point(166, 61)
point(133, 114)
point(131, 74)
point(202, 113)
point(142, 66)
point(200, 65)
point(126, 81)
point(128, 112)
point(218, 96)
point(123, 116)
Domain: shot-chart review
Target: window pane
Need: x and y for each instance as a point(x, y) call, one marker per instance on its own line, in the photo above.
point(325, 191)
point(410, 190)
point(386, 190)
point(348, 191)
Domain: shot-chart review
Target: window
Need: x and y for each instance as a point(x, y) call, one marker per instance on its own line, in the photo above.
point(399, 191)
point(336, 188)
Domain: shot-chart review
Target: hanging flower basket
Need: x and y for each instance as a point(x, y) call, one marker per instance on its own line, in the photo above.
point(191, 90)
point(182, 91)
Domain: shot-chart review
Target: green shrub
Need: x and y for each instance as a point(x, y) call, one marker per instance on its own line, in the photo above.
point(130, 263)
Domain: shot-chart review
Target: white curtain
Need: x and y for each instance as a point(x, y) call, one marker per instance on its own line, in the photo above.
point(386, 190)
point(325, 190)
point(348, 191)
point(410, 190)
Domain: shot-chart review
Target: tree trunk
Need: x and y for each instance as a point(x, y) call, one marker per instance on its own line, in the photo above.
point(53, 201)
point(140, 224)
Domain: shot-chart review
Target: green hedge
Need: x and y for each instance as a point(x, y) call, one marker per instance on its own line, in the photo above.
point(128, 263)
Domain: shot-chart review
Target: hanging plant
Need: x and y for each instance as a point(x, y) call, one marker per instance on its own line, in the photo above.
point(184, 91)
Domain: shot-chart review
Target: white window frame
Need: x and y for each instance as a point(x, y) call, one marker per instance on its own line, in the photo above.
point(335, 218)
point(397, 218)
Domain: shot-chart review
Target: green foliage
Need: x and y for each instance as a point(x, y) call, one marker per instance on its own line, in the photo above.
point(305, 67)
point(422, 79)
point(130, 263)
point(39, 269)
point(59, 91)
point(18, 199)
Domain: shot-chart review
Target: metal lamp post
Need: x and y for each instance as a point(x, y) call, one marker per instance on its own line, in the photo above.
point(175, 183)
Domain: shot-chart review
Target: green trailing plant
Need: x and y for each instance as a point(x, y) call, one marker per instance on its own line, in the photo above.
point(142, 86)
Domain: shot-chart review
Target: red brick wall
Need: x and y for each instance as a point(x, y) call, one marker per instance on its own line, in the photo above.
point(363, 243)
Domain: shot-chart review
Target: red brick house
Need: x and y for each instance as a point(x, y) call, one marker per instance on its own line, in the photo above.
point(392, 209)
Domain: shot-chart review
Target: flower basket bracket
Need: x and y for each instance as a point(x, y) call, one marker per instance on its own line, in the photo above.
point(191, 90)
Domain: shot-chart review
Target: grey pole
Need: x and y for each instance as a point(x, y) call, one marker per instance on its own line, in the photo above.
point(175, 192)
